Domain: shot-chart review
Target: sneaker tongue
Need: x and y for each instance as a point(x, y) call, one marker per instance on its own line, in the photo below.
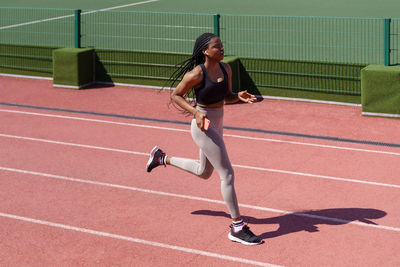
point(238, 228)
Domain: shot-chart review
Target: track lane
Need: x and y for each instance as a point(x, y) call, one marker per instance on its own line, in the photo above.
point(286, 116)
point(345, 163)
point(104, 209)
point(290, 241)
point(127, 166)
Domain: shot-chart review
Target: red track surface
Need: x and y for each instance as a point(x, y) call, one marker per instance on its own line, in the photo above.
point(75, 192)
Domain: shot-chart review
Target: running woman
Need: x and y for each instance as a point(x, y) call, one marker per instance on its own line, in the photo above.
point(209, 80)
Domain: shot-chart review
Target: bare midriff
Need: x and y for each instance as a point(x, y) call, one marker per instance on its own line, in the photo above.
point(214, 105)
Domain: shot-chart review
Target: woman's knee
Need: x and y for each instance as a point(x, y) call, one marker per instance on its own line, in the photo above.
point(228, 177)
point(206, 173)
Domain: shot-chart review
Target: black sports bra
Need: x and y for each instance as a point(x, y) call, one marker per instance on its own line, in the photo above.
point(211, 92)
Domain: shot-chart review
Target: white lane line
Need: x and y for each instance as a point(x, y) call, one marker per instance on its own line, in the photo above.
point(318, 176)
point(74, 144)
point(96, 120)
point(26, 76)
point(234, 165)
point(69, 16)
point(187, 131)
point(315, 145)
point(77, 180)
point(136, 240)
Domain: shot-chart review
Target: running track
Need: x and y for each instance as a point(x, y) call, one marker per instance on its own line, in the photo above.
point(319, 183)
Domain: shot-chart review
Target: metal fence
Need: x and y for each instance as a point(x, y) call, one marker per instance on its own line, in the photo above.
point(40, 27)
point(327, 40)
point(143, 31)
point(27, 34)
point(322, 39)
point(305, 38)
point(393, 40)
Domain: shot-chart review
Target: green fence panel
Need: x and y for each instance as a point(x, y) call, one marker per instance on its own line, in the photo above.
point(305, 75)
point(323, 54)
point(28, 36)
point(31, 26)
point(395, 42)
point(143, 31)
point(350, 40)
point(26, 59)
point(322, 39)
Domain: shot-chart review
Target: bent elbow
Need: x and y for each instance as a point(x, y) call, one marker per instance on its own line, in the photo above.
point(174, 97)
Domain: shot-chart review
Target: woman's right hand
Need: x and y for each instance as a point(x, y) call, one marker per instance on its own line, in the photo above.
point(199, 118)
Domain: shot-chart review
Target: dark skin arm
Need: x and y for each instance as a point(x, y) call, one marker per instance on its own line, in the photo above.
point(191, 80)
point(243, 96)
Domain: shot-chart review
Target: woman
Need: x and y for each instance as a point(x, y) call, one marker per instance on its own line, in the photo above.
point(210, 79)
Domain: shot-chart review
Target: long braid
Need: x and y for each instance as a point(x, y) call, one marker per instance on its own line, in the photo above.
point(187, 65)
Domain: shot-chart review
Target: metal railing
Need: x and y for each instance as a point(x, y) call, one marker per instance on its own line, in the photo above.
point(323, 40)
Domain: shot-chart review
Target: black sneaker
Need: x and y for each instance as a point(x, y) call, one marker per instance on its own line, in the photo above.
point(156, 159)
point(244, 236)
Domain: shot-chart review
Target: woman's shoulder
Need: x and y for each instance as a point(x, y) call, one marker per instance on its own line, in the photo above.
point(227, 67)
point(195, 74)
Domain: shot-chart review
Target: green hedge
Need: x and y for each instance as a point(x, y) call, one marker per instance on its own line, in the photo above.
point(73, 67)
point(381, 91)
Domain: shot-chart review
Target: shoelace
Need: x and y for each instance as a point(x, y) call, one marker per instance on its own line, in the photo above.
point(246, 229)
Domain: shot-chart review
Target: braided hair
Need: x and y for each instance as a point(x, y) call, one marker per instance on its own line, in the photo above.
point(197, 58)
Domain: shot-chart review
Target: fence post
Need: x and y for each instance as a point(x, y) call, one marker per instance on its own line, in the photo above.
point(387, 42)
point(216, 24)
point(78, 28)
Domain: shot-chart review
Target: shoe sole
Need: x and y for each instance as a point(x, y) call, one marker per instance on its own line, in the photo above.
point(235, 239)
point(153, 151)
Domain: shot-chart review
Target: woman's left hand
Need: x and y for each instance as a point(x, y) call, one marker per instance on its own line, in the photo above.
point(244, 96)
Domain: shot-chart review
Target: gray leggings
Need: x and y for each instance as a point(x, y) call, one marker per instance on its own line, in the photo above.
point(212, 155)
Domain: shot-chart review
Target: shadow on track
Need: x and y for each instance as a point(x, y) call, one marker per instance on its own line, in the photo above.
point(307, 220)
